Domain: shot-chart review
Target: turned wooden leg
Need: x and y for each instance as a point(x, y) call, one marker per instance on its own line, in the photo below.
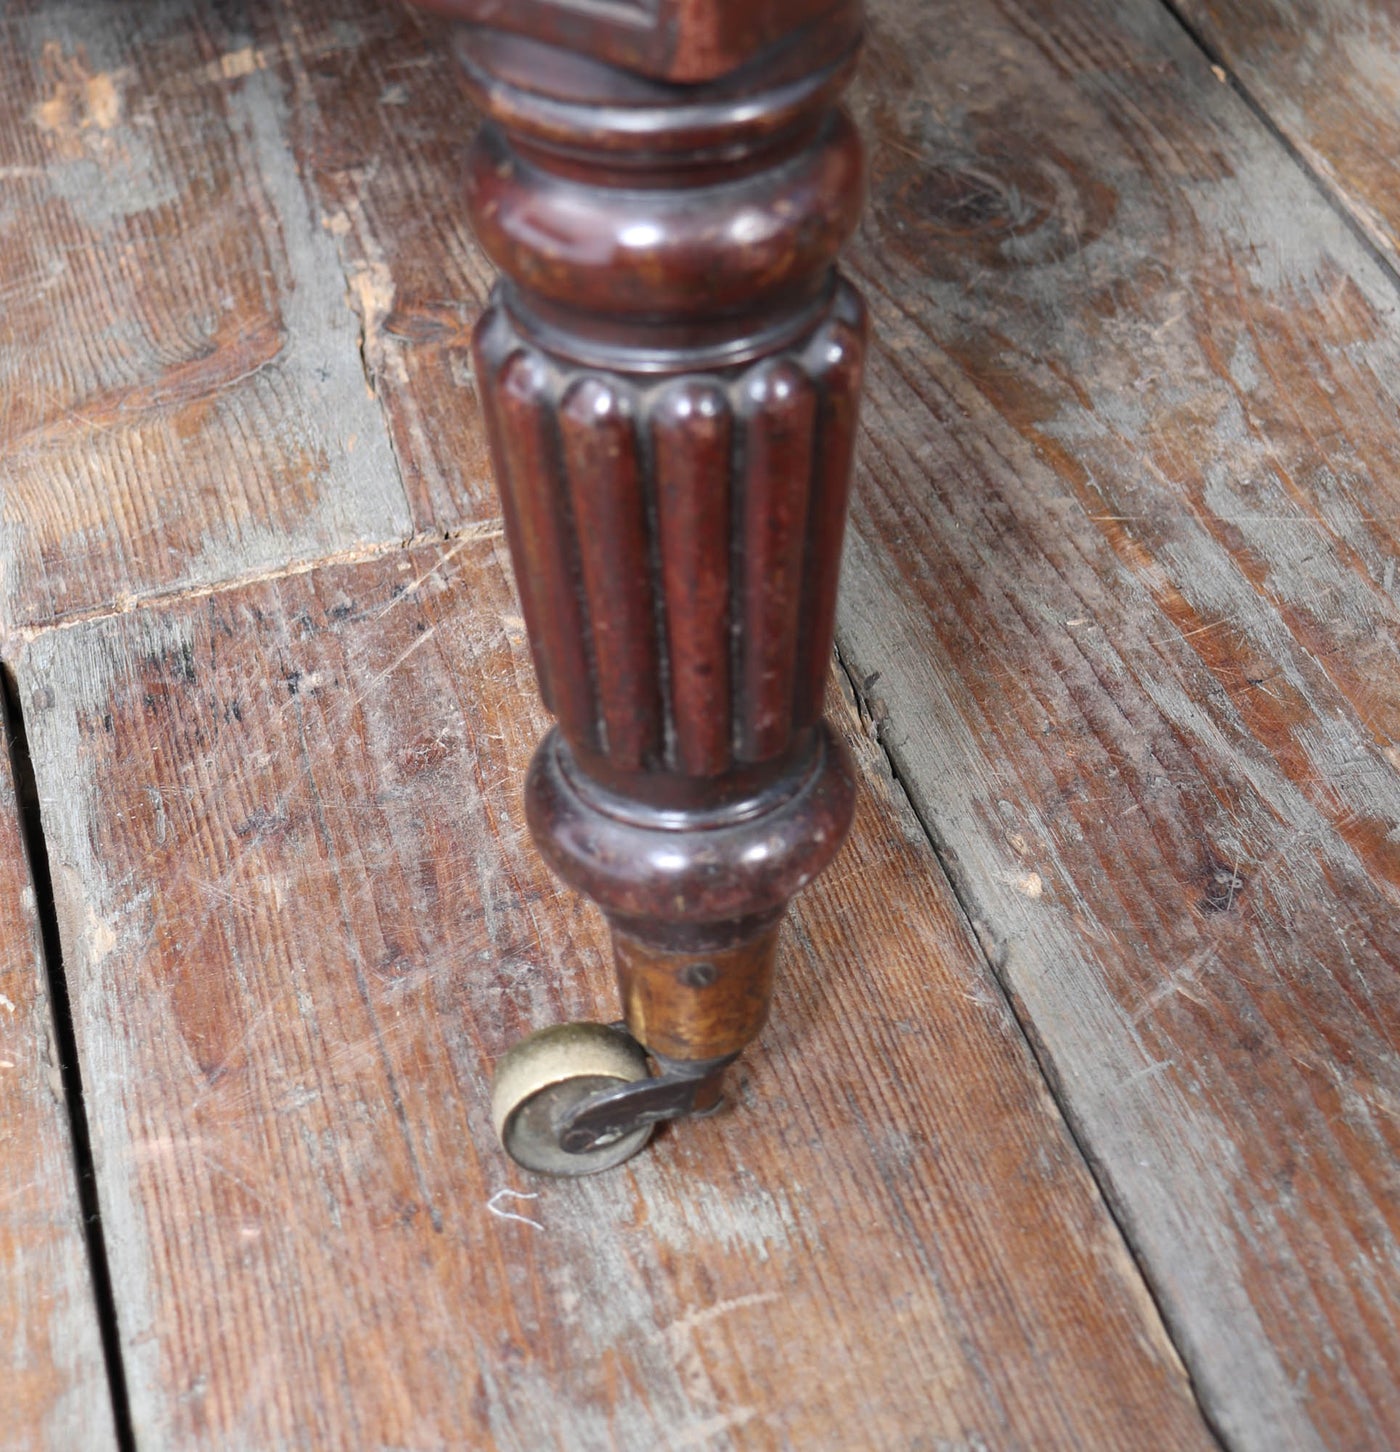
point(670, 370)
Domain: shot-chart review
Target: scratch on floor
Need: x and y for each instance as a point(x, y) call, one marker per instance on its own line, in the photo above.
point(712, 1427)
point(501, 1214)
point(1150, 1072)
point(389, 670)
point(487, 529)
point(688, 1323)
point(476, 532)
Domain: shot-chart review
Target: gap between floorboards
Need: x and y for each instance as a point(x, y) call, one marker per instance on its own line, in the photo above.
point(996, 962)
point(66, 1047)
point(1329, 194)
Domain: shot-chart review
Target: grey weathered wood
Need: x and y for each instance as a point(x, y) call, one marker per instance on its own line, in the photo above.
point(53, 1384)
point(184, 400)
point(302, 918)
point(1122, 591)
point(380, 131)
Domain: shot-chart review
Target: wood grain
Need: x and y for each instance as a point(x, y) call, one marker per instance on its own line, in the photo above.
point(51, 1364)
point(381, 130)
point(302, 919)
point(1122, 592)
point(1327, 72)
point(184, 400)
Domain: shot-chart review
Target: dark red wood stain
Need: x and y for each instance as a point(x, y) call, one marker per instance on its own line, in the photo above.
point(691, 438)
point(599, 436)
point(836, 359)
point(780, 407)
point(546, 552)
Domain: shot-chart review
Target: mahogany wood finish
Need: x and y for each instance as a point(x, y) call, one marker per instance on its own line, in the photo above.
point(670, 370)
point(675, 40)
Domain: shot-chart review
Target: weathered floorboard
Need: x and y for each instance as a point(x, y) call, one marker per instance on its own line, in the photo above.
point(53, 1383)
point(381, 133)
point(183, 395)
point(1327, 72)
point(301, 918)
point(1122, 589)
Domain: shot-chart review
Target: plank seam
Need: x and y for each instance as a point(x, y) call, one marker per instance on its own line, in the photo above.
point(479, 531)
point(996, 963)
point(36, 854)
point(1334, 199)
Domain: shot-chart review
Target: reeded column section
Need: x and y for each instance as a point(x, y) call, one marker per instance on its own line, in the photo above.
point(671, 369)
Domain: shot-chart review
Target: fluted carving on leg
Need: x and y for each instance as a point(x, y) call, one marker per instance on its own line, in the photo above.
point(679, 541)
point(692, 442)
point(605, 478)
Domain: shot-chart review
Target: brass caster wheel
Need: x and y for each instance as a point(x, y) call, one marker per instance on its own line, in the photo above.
point(545, 1077)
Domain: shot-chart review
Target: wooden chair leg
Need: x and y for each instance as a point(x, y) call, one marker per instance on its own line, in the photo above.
point(670, 370)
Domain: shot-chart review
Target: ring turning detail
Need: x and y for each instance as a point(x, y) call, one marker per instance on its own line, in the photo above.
point(670, 371)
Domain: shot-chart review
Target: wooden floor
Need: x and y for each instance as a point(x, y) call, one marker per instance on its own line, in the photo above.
point(1077, 1122)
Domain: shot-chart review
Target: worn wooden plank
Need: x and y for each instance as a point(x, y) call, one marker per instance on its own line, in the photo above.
point(1327, 73)
point(51, 1364)
point(381, 132)
point(1122, 588)
point(184, 400)
point(302, 917)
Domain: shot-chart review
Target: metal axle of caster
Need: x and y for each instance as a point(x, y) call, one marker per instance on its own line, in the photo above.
point(680, 1091)
point(578, 1098)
